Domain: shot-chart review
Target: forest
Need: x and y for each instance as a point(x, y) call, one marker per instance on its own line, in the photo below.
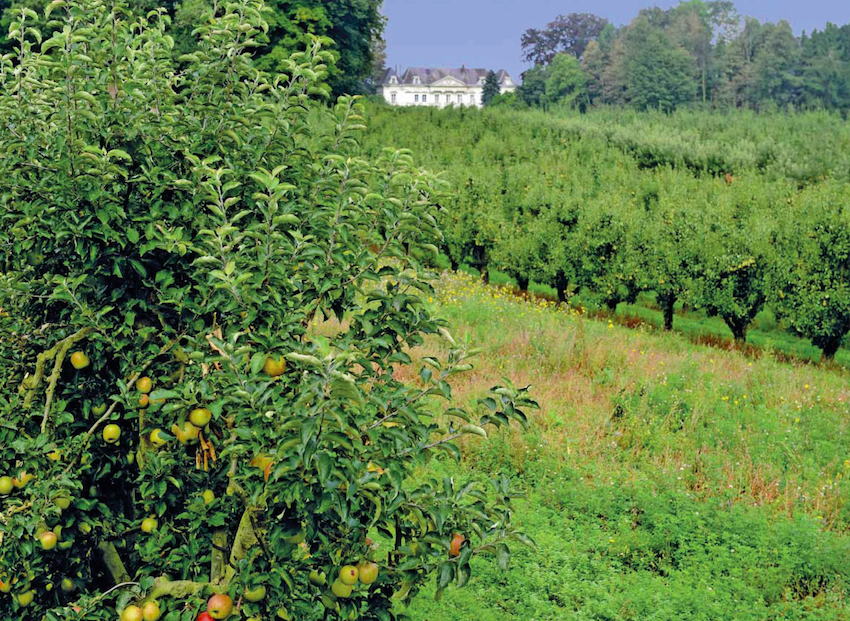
point(696, 53)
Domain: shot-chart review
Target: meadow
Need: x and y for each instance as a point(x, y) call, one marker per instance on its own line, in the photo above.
point(665, 479)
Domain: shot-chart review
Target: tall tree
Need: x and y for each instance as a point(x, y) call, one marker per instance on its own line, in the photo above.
point(566, 84)
point(660, 73)
point(776, 68)
point(567, 34)
point(352, 25)
point(491, 88)
point(532, 91)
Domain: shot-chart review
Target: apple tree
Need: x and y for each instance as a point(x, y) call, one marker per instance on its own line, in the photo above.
point(208, 305)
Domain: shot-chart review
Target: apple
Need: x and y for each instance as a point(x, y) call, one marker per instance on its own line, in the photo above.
point(99, 409)
point(5, 584)
point(79, 360)
point(48, 540)
point(200, 417)
point(204, 616)
point(457, 542)
point(144, 401)
point(111, 433)
point(6, 485)
point(144, 384)
point(318, 578)
point(149, 525)
point(368, 572)
point(156, 438)
point(340, 589)
point(209, 496)
point(188, 434)
point(25, 598)
point(283, 613)
point(348, 575)
point(151, 611)
point(132, 613)
point(67, 585)
point(274, 368)
point(85, 528)
point(255, 595)
point(219, 606)
point(63, 501)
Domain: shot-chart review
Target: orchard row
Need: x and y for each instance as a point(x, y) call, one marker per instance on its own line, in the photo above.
point(571, 212)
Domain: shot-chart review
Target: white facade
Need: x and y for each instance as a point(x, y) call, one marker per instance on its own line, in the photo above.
point(411, 90)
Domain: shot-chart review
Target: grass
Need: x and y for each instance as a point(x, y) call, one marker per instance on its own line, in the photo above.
point(665, 479)
point(764, 335)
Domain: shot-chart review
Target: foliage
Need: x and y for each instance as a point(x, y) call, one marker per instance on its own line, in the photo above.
point(351, 29)
point(611, 205)
point(491, 89)
point(566, 84)
point(700, 52)
point(210, 234)
point(567, 34)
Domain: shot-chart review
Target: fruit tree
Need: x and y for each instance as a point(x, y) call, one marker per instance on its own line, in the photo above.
point(208, 305)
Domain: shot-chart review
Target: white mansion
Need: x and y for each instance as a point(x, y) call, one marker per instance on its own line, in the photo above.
point(439, 87)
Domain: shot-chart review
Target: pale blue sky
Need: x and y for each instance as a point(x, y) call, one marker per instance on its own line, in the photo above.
point(486, 33)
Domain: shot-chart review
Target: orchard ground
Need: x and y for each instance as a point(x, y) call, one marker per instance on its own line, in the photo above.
point(666, 479)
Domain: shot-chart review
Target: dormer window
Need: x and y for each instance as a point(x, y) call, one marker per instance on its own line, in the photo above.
point(481, 81)
point(393, 80)
point(416, 80)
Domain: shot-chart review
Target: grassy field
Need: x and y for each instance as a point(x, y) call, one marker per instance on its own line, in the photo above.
point(665, 479)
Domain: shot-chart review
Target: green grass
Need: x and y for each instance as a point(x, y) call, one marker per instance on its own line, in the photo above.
point(765, 334)
point(666, 480)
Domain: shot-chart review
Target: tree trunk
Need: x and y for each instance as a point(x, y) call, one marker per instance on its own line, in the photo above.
point(829, 346)
point(522, 282)
point(485, 275)
point(738, 327)
point(668, 305)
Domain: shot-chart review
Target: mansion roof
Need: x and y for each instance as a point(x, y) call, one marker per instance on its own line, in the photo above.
point(428, 76)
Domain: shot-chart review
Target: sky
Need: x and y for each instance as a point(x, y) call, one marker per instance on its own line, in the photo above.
point(486, 33)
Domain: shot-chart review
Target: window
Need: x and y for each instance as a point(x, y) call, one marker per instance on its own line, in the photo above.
point(424, 98)
point(481, 81)
point(393, 97)
point(416, 80)
point(460, 98)
point(416, 98)
point(472, 99)
point(437, 98)
point(393, 80)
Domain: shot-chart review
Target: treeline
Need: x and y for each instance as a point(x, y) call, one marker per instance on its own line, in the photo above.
point(699, 52)
point(351, 29)
point(542, 204)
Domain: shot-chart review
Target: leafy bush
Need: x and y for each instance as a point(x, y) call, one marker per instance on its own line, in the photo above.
point(207, 300)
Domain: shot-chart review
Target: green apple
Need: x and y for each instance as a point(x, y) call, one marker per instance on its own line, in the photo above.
point(151, 611)
point(318, 578)
point(48, 540)
point(255, 595)
point(200, 417)
point(111, 433)
point(340, 589)
point(348, 575)
point(367, 572)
